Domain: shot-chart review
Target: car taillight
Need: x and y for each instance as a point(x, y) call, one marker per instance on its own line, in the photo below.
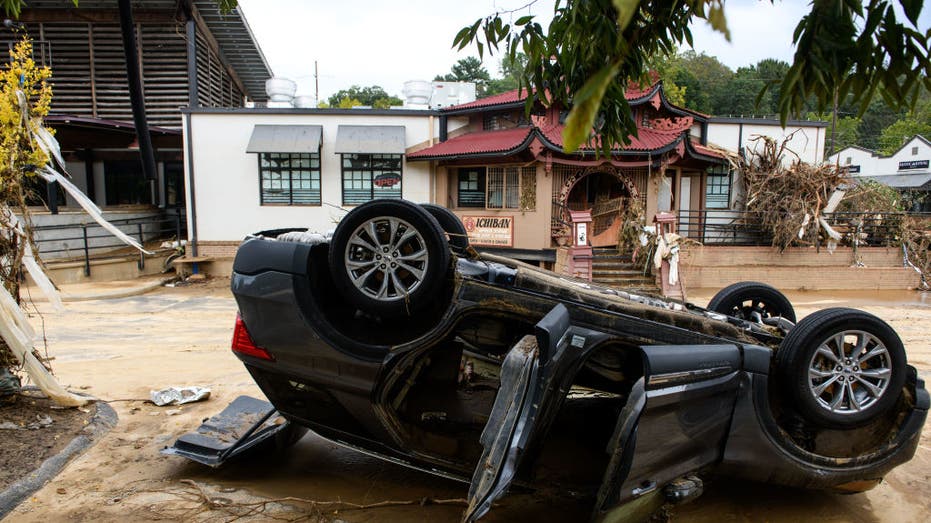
point(243, 344)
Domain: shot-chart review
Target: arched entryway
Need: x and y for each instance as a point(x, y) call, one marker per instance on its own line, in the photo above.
point(605, 190)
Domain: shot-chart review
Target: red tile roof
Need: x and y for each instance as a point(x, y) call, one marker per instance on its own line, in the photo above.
point(482, 142)
point(706, 151)
point(507, 97)
point(648, 139)
point(519, 95)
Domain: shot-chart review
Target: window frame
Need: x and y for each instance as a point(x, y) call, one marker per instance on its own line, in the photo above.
point(511, 176)
point(719, 173)
point(371, 171)
point(481, 183)
point(311, 170)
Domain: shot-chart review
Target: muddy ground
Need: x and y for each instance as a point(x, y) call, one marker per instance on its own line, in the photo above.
point(122, 348)
point(32, 431)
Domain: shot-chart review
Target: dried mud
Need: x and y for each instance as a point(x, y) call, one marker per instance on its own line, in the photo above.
point(123, 348)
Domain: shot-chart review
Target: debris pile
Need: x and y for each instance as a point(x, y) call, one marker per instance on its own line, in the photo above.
point(789, 202)
point(28, 152)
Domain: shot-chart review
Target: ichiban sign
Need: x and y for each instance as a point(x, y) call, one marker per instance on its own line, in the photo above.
point(497, 231)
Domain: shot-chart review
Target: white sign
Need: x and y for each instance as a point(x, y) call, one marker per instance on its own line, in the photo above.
point(496, 231)
point(581, 234)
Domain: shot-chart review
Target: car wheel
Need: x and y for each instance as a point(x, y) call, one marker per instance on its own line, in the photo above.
point(389, 257)
point(452, 225)
point(743, 299)
point(843, 367)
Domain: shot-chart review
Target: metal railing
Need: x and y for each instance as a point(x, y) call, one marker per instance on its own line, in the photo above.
point(560, 217)
point(89, 241)
point(727, 227)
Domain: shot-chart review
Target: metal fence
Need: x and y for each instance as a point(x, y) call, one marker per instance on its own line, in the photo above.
point(90, 241)
point(726, 227)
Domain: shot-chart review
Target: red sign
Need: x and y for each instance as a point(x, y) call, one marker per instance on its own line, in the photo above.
point(387, 179)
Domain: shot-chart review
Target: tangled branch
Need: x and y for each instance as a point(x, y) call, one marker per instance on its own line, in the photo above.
point(201, 504)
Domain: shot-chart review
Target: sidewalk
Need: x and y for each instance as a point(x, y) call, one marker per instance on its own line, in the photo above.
point(102, 290)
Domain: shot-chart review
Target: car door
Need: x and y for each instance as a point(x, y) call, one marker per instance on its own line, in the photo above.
point(675, 422)
point(532, 374)
point(680, 408)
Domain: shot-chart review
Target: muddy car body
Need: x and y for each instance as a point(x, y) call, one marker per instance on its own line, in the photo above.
point(501, 374)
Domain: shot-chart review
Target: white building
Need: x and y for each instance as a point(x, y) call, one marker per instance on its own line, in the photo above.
point(736, 134)
point(907, 169)
point(249, 170)
point(254, 169)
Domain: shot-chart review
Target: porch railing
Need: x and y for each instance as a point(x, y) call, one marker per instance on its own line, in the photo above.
point(89, 241)
point(727, 227)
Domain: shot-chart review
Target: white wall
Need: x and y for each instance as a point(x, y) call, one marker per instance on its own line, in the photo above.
point(874, 164)
point(807, 142)
point(867, 161)
point(226, 177)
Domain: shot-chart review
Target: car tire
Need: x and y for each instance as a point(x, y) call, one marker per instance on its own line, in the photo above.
point(400, 269)
point(452, 225)
point(835, 390)
point(741, 299)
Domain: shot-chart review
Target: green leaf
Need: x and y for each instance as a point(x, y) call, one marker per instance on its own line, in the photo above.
point(912, 9)
point(718, 21)
point(524, 20)
point(625, 11)
point(585, 108)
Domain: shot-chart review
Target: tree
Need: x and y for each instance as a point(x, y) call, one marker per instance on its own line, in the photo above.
point(469, 69)
point(510, 69)
point(846, 132)
point(772, 72)
point(743, 94)
point(592, 49)
point(373, 96)
point(877, 117)
point(916, 122)
point(706, 90)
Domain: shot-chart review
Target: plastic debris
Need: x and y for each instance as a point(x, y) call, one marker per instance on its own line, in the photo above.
point(42, 421)
point(179, 395)
point(9, 383)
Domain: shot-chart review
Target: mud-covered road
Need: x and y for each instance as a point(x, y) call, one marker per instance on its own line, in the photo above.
point(120, 349)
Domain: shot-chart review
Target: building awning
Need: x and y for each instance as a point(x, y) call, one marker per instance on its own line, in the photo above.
point(370, 139)
point(920, 181)
point(285, 139)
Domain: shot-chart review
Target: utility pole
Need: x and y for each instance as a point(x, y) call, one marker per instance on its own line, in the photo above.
point(316, 83)
point(134, 76)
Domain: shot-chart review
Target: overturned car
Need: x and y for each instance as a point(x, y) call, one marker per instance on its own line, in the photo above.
point(395, 337)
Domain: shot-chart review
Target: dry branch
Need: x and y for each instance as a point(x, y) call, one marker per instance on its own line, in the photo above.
point(789, 202)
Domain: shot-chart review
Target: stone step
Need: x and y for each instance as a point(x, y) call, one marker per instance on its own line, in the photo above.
point(639, 282)
point(612, 264)
point(621, 273)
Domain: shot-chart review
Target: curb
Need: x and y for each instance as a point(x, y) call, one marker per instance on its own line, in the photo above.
point(104, 420)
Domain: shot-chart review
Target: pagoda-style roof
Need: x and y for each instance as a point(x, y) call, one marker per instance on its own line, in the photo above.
point(634, 94)
point(661, 127)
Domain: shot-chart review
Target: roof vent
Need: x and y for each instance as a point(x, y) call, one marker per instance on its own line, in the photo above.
point(417, 94)
point(280, 89)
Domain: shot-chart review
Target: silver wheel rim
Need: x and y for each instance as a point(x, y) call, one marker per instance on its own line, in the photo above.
point(386, 258)
point(849, 372)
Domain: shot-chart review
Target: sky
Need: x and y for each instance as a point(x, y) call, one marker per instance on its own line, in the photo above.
point(369, 42)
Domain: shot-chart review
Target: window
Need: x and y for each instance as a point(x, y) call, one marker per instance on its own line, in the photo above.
point(849, 160)
point(125, 184)
point(290, 178)
point(511, 188)
point(174, 184)
point(718, 188)
point(370, 176)
point(914, 151)
point(472, 187)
